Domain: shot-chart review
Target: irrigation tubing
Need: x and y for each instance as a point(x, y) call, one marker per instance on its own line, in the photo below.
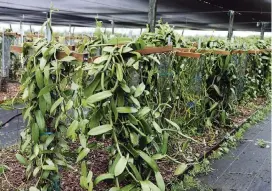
point(206, 154)
point(9, 120)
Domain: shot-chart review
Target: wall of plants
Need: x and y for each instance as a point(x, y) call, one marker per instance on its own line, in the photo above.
point(140, 103)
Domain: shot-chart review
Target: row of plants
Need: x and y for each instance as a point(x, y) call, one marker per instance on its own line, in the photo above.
point(144, 105)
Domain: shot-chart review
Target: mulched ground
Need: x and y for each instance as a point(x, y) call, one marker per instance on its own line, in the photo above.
point(12, 88)
point(98, 158)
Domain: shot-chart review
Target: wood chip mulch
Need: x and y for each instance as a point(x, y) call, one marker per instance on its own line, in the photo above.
point(12, 88)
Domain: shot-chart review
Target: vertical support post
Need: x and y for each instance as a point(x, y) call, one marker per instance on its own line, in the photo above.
point(262, 30)
point(141, 30)
point(152, 12)
point(30, 28)
point(22, 33)
point(112, 27)
point(231, 19)
point(2, 76)
point(69, 42)
point(6, 42)
point(48, 30)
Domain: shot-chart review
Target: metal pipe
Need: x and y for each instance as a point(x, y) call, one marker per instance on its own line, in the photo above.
point(152, 13)
point(231, 19)
point(262, 30)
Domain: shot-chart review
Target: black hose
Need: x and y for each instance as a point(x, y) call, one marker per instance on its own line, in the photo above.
point(9, 120)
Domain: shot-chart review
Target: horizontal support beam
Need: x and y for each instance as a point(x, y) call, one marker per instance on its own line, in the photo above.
point(155, 50)
point(220, 52)
point(188, 54)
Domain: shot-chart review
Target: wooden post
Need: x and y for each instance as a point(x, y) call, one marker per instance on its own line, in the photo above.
point(231, 19)
point(152, 12)
point(262, 30)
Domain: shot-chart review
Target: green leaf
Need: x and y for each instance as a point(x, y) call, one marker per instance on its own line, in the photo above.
point(144, 186)
point(213, 106)
point(173, 124)
point(35, 133)
point(114, 189)
point(164, 143)
point(103, 177)
point(40, 120)
point(39, 78)
point(109, 49)
point(42, 104)
point(56, 104)
point(101, 59)
point(83, 154)
point(216, 89)
point(69, 105)
point(160, 181)
point(132, 119)
point(128, 187)
point(33, 189)
point(135, 171)
point(152, 186)
point(151, 162)
point(83, 140)
point(135, 101)
point(36, 171)
point(119, 72)
point(114, 110)
point(21, 159)
point(45, 90)
point(134, 138)
point(158, 156)
point(68, 59)
point(127, 49)
point(63, 84)
point(49, 140)
point(49, 167)
point(43, 62)
point(120, 166)
point(180, 169)
point(139, 90)
point(72, 128)
point(157, 127)
point(100, 130)
point(36, 150)
point(144, 111)
point(83, 169)
point(126, 110)
point(125, 87)
point(98, 97)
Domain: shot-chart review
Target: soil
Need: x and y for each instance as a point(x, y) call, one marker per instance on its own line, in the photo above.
point(12, 88)
point(99, 157)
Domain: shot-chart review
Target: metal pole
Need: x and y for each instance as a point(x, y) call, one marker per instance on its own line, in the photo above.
point(262, 30)
point(47, 30)
point(22, 32)
point(112, 27)
point(231, 19)
point(30, 28)
point(69, 42)
point(152, 12)
point(3, 55)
